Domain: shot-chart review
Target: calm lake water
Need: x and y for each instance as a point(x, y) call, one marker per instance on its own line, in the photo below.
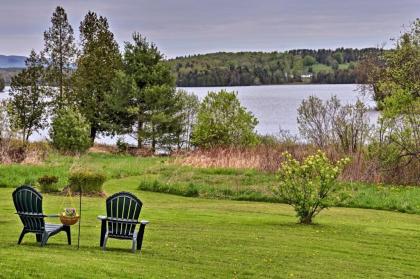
point(275, 106)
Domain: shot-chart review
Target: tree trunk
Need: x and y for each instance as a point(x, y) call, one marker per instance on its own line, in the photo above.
point(93, 131)
point(139, 133)
point(153, 145)
point(306, 220)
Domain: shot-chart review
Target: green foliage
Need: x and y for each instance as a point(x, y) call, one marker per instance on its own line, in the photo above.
point(5, 132)
point(27, 105)
point(122, 146)
point(161, 120)
point(60, 51)
point(48, 183)
point(155, 186)
point(397, 144)
point(255, 68)
point(309, 186)
point(70, 131)
point(2, 83)
point(87, 180)
point(401, 65)
point(96, 67)
point(144, 96)
point(308, 60)
point(189, 105)
point(222, 121)
point(338, 56)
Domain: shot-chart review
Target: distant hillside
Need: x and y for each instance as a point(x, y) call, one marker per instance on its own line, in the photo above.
point(256, 68)
point(8, 73)
point(10, 66)
point(12, 61)
point(250, 68)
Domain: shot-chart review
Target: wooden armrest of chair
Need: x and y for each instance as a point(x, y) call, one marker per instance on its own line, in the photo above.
point(52, 215)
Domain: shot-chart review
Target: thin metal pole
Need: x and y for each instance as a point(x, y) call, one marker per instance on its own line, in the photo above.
point(80, 216)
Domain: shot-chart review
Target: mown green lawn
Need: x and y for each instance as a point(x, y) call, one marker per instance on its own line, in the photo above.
point(202, 238)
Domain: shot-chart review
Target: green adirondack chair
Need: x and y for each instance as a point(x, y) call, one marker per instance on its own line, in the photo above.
point(28, 204)
point(123, 210)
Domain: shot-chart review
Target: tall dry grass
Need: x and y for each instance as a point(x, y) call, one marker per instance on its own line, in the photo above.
point(14, 151)
point(268, 158)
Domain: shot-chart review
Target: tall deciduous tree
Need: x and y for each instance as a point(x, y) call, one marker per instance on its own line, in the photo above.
point(60, 51)
point(222, 121)
point(189, 104)
point(97, 65)
point(398, 142)
point(27, 105)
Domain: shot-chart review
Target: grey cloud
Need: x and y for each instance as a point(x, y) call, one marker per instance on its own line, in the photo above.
point(182, 27)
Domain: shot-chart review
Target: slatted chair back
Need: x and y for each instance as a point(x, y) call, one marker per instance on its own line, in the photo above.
point(123, 210)
point(28, 204)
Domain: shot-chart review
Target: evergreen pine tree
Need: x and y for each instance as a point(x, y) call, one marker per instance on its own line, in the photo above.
point(60, 51)
point(150, 100)
point(27, 104)
point(96, 68)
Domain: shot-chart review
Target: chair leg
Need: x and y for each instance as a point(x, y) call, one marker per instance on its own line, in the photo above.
point(22, 234)
point(45, 237)
point(140, 236)
point(38, 237)
point(105, 240)
point(103, 231)
point(67, 230)
point(133, 246)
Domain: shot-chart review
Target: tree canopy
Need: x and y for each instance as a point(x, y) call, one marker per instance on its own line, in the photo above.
point(60, 51)
point(222, 121)
point(96, 67)
point(255, 68)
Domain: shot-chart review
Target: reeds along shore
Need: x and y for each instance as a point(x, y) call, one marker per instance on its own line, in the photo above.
point(268, 158)
point(264, 157)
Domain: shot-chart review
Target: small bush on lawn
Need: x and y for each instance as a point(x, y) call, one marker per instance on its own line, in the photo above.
point(30, 182)
point(309, 186)
point(155, 186)
point(88, 181)
point(70, 132)
point(48, 183)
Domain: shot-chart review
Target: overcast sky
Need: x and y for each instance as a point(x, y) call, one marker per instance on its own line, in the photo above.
point(182, 27)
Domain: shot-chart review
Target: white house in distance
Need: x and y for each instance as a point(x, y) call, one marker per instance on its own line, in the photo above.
point(306, 76)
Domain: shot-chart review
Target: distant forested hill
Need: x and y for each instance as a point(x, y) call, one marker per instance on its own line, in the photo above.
point(251, 68)
point(12, 61)
point(256, 68)
point(8, 73)
point(10, 65)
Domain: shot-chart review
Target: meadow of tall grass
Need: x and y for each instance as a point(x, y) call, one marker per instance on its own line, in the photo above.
point(267, 158)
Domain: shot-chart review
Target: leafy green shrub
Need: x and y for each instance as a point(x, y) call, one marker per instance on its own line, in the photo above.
point(48, 183)
point(190, 190)
point(88, 181)
point(122, 146)
point(29, 182)
point(70, 132)
point(309, 186)
point(222, 121)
